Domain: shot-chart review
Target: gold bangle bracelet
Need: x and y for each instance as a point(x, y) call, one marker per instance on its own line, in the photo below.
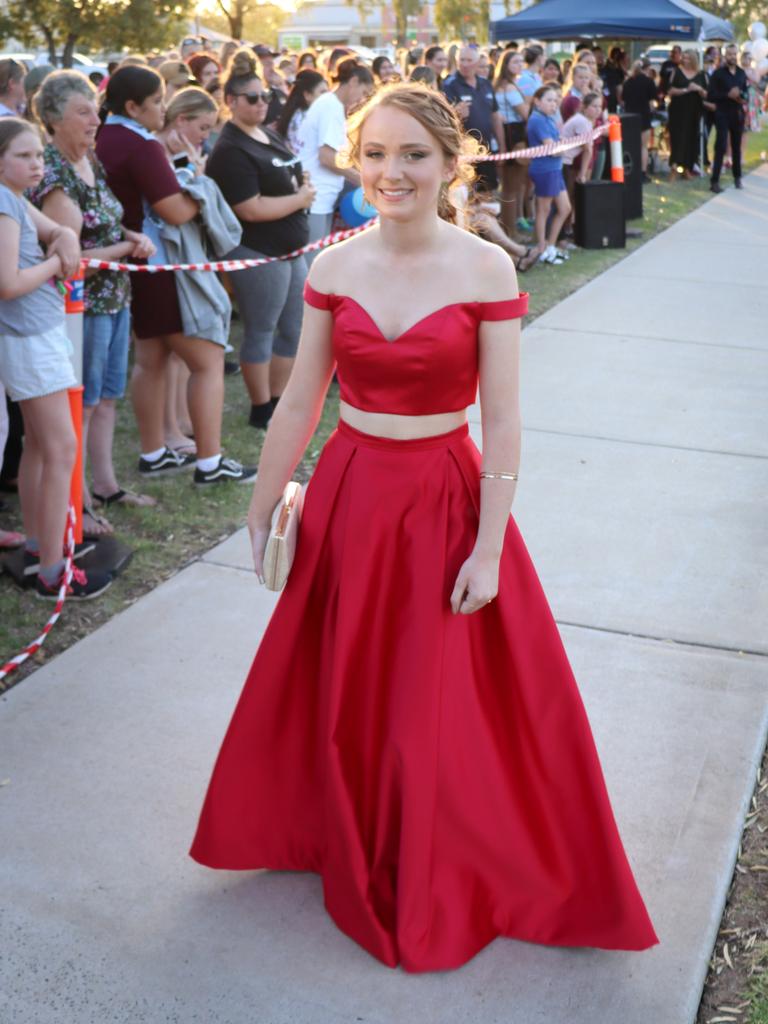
point(498, 476)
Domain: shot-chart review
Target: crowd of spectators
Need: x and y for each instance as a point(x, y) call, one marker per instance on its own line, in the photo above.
point(191, 155)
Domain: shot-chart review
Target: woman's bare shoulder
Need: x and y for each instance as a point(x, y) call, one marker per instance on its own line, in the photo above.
point(491, 269)
point(332, 268)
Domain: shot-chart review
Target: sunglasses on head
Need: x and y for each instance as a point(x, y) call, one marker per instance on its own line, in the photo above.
point(253, 98)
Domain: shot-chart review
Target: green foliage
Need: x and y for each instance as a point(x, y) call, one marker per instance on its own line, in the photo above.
point(112, 24)
point(248, 19)
point(403, 10)
point(739, 12)
point(462, 19)
point(144, 25)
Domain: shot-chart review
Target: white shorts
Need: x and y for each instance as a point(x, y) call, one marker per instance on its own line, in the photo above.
point(37, 365)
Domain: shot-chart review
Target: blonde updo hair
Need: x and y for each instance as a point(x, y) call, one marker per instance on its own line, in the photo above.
point(433, 112)
point(242, 70)
point(191, 101)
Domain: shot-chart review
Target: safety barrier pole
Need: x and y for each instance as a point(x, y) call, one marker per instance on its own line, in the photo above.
point(74, 307)
point(617, 150)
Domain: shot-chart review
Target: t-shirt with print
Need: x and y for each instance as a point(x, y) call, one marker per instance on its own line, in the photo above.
point(324, 125)
point(543, 129)
point(243, 167)
point(137, 171)
point(106, 291)
point(42, 309)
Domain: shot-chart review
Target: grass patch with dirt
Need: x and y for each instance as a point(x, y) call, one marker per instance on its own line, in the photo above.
point(188, 521)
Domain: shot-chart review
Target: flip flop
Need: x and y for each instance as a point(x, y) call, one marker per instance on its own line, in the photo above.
point(10, 540)
point(106, 528)
point(528, 259)
point(125, 498)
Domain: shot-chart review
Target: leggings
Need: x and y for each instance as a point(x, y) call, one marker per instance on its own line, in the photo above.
point(271, 304)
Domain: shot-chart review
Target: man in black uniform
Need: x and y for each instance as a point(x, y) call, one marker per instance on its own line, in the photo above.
point(728, 91)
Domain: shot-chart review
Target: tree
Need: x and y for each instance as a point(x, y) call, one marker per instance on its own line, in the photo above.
point(248, 19)
point(462, 18)
point(405, 9)
point(739, 12)
point(62, 24)
point(144, 25)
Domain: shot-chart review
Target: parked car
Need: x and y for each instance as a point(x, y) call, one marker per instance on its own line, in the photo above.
point(657, 55)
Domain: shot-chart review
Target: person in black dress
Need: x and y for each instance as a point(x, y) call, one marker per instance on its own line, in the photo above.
point(639, 97)
point(687, 89)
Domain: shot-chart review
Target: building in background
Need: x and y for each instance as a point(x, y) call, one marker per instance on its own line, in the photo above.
point(324, 23)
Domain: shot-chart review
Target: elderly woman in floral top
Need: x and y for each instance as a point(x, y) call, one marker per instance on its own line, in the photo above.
point(74, 192)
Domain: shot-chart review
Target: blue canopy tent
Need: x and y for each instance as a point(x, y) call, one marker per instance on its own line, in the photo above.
point(677, 20)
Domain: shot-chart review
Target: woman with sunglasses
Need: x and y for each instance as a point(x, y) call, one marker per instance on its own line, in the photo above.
point(262, 181)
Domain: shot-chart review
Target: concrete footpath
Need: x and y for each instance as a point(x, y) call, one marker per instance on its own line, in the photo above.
point(643, 503)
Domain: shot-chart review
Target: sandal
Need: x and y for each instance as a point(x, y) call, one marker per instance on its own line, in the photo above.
point(528, 259)
point(125, 498)
point(9, 540)
point(102, 527)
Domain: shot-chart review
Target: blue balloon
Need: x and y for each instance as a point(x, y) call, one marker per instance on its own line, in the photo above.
point(354, 209)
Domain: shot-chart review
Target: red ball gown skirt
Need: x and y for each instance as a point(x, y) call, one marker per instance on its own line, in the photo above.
point(437, 770)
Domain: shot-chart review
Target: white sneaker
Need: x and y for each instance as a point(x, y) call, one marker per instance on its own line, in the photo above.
point(550, 255)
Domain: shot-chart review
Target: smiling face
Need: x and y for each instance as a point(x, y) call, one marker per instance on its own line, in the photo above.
point(79, 123)
point(21, 165)
point(402, 165)
point(386, 70)
point(438, 63)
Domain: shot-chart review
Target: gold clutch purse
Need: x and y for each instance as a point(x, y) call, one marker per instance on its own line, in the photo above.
point(281, 544)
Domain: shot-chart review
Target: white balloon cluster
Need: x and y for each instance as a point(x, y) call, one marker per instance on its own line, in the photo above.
point(758, 45)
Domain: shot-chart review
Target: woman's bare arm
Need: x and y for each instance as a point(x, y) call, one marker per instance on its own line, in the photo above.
point(13, 281)
point(499, 343)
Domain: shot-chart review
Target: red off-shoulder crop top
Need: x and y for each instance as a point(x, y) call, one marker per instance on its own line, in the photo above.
point(430, 368)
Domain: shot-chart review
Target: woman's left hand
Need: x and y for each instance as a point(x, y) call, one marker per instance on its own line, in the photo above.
point(143, 247)
point(476, 585)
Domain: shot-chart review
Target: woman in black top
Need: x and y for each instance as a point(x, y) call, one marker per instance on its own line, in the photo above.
point(262, 181)
point(639, 97)
point(687, 89)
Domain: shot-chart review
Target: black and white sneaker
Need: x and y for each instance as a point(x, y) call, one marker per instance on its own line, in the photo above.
point(227, 469)
point(32, 558)
point(169, 462)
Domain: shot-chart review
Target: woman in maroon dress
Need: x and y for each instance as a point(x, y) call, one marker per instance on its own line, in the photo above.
point(411, 729)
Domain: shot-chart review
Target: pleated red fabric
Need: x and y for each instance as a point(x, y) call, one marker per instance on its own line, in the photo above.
point(437, 771)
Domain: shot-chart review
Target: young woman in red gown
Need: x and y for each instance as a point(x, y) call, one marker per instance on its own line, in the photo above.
point(411, 729)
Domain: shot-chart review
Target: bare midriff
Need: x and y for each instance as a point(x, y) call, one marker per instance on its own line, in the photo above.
point(401, 428)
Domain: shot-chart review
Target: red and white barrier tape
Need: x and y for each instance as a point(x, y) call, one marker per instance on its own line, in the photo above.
point(548, 149)
point(14, 663)
point(146, 268)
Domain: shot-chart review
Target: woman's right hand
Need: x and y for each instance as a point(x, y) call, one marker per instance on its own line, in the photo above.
point(306, 194)
point(259, 535)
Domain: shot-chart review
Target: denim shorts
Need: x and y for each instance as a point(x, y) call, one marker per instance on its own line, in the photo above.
point(105, 355)
point(547, 183)
point(37, 365)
